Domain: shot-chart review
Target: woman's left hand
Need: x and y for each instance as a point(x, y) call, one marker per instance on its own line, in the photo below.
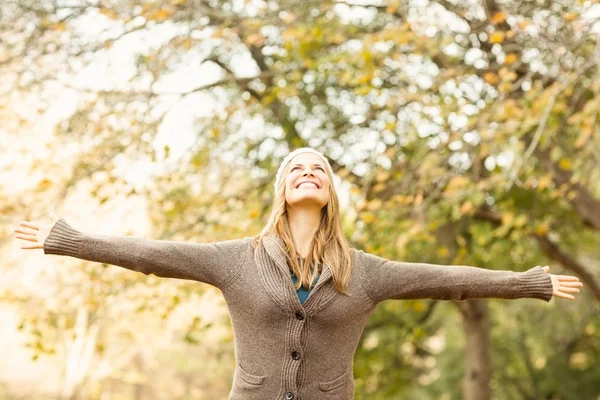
point(563, 283)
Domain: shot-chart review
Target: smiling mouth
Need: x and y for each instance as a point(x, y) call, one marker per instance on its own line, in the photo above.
point(308, 184)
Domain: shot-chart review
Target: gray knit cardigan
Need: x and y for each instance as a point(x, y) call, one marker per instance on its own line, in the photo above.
point(285, 349)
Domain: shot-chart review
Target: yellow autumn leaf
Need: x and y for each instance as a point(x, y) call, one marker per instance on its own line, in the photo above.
point(406, 200)
point(379, 187)
point(523, 24)
point(490, 78)
point(375, 204)
point(367, 56)
point(164, 13)
point(61, 26)
point(159, 15)
point(44, 184)
point(418, 199)
point(337, 38)
point(497, 37)
point(498, 18)
point(467, 207)
point(584, 136)
point(366, 78)
point(343, 172)
point(520, 221)
point(565, 164)
point(355, 190)
point(443, 252)
point(542, 229)
point(570, 16)
point(187, 43)
point(109, 13)
point(255, 39)
point(573, 119)
point(367, 217)
point(455, 183)
point(507, 218)
point(510, 58)
point(544, 181)
point(559, 107)
point(382, 176)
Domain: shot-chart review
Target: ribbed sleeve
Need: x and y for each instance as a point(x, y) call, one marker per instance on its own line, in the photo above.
point(385, 279)
point(63, 240)
point(536, 283)
point(216, 263)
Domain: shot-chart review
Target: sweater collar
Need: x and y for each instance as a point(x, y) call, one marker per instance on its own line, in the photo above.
point(274, 272)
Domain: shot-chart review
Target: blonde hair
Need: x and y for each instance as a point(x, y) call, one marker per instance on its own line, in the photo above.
point(329, 246)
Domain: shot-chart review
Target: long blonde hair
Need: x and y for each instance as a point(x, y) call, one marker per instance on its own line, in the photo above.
point(329, 246)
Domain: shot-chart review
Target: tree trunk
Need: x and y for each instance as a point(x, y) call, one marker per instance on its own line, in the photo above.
point(478, 361)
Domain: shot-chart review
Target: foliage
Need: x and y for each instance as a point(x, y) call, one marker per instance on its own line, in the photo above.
point(465, 131)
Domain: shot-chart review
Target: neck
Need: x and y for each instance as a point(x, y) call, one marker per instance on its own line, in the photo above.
point(304, 223)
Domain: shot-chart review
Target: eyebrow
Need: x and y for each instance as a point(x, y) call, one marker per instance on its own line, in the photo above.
point(296, 165)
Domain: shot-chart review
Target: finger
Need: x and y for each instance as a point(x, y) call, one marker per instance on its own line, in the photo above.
point(568, 289)
point(571, 284)
point(30, 225)
point(28, 238)
point(31, 247)
point(564, 295)
point(567, 278)
point(19, 230)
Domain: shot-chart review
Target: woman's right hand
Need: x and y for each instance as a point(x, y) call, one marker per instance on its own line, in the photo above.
point(35, 232)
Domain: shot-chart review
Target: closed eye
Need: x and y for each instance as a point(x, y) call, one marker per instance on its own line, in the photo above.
point(321, 168)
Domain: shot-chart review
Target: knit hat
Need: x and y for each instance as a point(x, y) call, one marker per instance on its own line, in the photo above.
point(288, 158)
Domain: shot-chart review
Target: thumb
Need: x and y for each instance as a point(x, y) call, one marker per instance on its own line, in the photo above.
point(546, 268)
point(54, 216)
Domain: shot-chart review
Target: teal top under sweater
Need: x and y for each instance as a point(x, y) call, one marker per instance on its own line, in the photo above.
point(302, 293)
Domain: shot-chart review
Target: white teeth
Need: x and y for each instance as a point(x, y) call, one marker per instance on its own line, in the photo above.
point(310, 183)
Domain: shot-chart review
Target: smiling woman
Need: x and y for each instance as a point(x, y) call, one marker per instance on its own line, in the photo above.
point(286, 346)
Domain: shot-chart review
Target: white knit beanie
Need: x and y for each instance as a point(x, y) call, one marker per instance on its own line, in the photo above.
point(287, 159)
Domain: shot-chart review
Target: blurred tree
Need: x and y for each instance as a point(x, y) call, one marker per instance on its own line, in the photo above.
point(465, 129)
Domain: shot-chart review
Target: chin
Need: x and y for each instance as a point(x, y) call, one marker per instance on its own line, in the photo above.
point(307, 200)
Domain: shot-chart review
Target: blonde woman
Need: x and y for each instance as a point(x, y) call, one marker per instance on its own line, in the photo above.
point(298, 295)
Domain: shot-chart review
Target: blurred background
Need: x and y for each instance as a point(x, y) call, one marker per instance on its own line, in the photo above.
point(460, 132)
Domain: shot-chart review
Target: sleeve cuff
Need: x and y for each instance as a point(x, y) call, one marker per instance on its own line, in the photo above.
point(536, 283)
point(63, 240)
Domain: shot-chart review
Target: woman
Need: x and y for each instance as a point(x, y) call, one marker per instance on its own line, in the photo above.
point(288, 344)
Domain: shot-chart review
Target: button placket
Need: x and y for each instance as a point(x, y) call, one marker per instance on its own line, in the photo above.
point(298, 322)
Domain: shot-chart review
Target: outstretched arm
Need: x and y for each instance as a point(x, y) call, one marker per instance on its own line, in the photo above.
point(214, 263)
point(385, 279)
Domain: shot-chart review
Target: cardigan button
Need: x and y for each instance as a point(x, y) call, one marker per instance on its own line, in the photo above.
point(295, 355)
point(289, 396)
point(299, 315)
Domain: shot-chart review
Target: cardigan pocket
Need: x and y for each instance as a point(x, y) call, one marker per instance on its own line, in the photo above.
point(337, 382)
point(249, 378)
point(247, 386)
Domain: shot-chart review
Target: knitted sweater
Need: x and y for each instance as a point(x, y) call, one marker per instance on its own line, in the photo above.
point(285, 349)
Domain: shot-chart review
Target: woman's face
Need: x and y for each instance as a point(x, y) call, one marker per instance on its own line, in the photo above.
point(309, 168)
